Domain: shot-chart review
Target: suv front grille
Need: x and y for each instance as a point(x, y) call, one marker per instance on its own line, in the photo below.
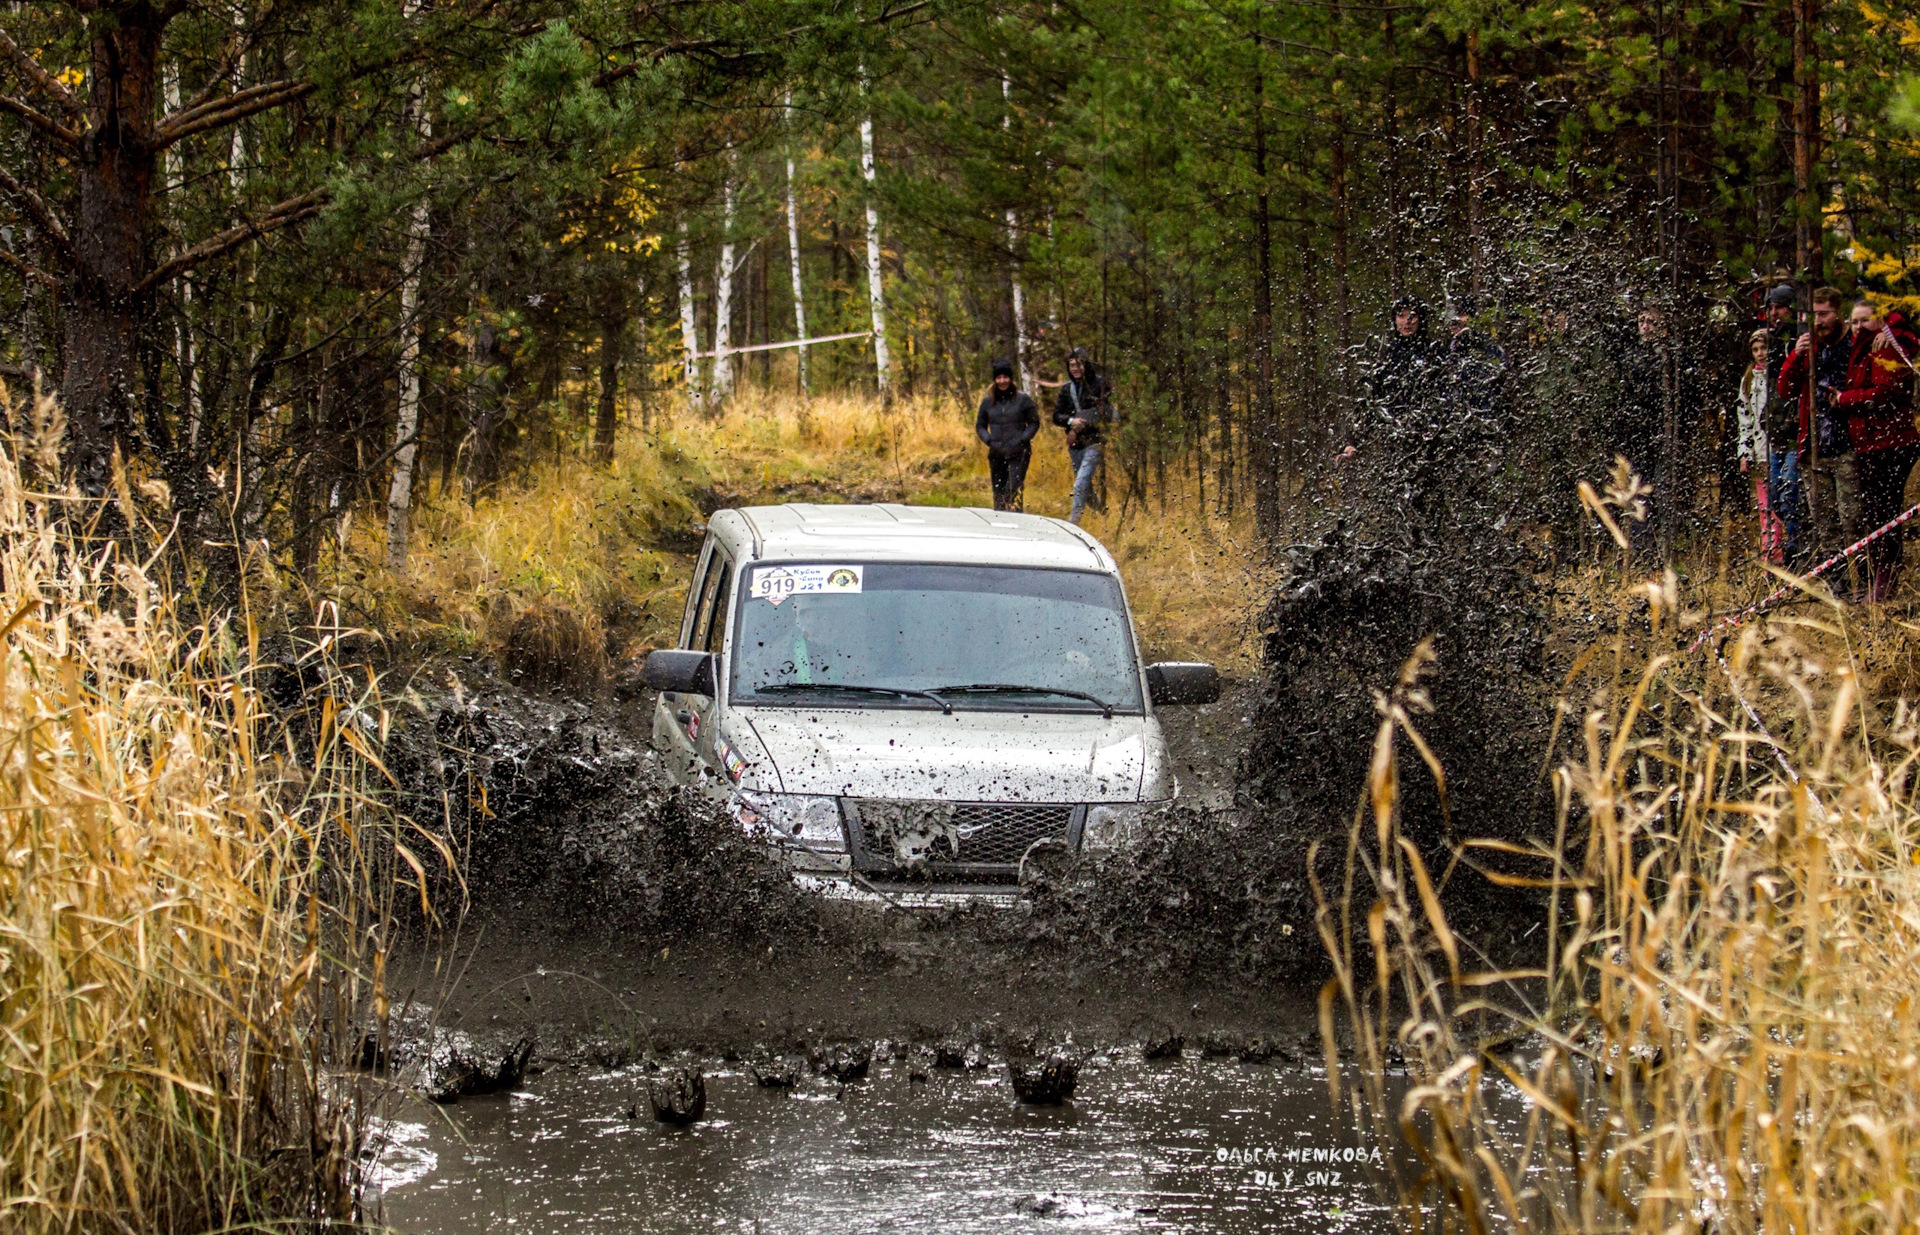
point(955, 839)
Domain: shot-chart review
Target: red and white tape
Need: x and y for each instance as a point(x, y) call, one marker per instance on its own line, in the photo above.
point(1780, 593)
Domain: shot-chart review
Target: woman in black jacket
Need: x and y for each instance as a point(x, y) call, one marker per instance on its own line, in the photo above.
point(1007, 422)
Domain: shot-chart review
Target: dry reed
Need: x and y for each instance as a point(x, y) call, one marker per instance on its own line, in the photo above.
point(1719, 1029)
point(193, 892)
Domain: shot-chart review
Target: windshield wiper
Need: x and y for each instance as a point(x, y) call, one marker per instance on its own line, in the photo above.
point(1002, 688)
point(897, 692)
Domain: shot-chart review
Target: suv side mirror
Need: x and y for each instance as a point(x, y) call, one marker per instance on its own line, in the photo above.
point(681, 670)
point(1182, 681)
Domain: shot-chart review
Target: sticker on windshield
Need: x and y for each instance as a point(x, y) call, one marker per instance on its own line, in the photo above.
point(774, 584)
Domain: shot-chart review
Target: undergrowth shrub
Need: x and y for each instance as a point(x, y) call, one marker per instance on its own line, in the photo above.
point(193, 891)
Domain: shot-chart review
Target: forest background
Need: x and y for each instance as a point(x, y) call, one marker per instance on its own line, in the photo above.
point(307, 261)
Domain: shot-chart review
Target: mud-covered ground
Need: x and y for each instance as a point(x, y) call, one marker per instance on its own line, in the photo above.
point(605, 915)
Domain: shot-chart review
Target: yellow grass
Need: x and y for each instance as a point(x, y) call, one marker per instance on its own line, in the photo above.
point(580, 544)
point(1719, 1024)
point(173, 967)
point(604, 548)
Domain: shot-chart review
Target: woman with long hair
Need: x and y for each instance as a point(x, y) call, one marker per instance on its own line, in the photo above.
point(1754, 450)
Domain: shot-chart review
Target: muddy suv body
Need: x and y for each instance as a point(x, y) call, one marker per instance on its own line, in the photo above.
point(911, 695)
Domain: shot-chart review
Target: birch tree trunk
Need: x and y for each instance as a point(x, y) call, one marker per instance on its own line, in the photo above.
point(1013, 260)
point(793, 257)
point(237, 149)
point(183, 333)
point(407, 423)
point(875, 296)
point(722, 386)
point(689, 326)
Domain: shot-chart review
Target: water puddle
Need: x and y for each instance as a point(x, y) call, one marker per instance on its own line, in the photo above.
point(1194, 1144)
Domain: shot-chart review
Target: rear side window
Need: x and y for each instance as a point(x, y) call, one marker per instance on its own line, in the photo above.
point(689, 619)
point(716, 624)
point(703, 615)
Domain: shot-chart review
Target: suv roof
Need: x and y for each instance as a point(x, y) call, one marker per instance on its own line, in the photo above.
point(888, 531)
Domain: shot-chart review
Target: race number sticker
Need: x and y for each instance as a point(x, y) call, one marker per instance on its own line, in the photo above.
point(774, 584)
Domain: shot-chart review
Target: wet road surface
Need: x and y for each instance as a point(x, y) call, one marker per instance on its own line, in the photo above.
point(1188, 1145)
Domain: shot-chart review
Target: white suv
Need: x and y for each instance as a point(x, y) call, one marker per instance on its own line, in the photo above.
point(903, 693)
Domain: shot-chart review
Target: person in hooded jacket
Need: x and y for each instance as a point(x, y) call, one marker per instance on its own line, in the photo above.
point(1406, 367)
point(1080, 410)
point(1877, 402)
point(1006, 424)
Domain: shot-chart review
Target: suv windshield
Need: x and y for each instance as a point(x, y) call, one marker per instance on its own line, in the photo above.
point(889, 635)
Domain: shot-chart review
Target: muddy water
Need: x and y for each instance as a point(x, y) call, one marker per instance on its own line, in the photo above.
point(1197, 1144)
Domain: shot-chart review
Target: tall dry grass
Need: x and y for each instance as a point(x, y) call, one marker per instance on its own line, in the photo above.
point(554, 570)
point(193, 891)
point(1717, 1029)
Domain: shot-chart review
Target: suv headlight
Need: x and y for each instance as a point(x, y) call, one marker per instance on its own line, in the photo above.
point(1115, 825)
point(795, 818)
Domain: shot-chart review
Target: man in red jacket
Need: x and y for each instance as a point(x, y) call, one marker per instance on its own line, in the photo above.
point(1827, 459)
point(1878, 405)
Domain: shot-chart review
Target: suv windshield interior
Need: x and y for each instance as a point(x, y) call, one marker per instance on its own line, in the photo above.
point(895, 635)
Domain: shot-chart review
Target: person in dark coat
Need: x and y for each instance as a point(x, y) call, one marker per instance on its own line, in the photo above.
point(1777, 319)
point(1476, 365)
point(1006, 424)
point(1080, 410)
point(1405, 368)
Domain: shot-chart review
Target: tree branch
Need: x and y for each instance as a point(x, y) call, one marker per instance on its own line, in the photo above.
point(42, 214)
point(27, 271)
point(229, 110)
point(52, 128)
point(42, 80)
point(284, 214)
point(619, 72)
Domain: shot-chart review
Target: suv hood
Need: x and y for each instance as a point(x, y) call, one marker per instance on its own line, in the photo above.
point(966, 757)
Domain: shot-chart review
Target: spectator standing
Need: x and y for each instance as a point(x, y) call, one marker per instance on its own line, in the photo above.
point(1476, 365)
point(1751, 445)
point(1080, 409)
point(1814, 373)
point(1877, 402)
point(1405, 367)
point(1637, 413)
point(1006, 424)
point(1777, 316)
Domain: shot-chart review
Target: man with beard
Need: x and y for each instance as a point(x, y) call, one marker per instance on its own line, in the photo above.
point(1814, 375)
